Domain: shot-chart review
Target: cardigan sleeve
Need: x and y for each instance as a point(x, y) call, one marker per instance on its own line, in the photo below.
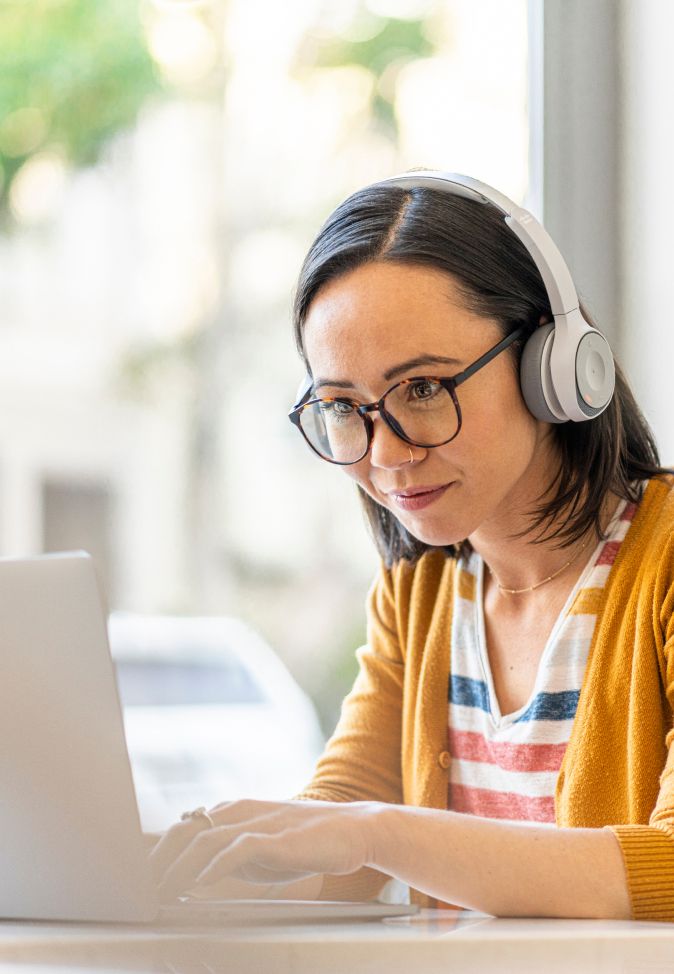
point(362, 759)
point(648, 850)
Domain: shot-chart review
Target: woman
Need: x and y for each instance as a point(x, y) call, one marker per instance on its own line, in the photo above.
point(518, 673)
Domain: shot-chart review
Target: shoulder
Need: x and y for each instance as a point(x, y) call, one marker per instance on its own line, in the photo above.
point(413, 590)
point(644, 568)
point(653, 524)
point(435, 571)
point(410, 608)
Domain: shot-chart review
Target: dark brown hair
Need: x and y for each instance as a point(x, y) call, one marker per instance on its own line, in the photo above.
point(498, 279)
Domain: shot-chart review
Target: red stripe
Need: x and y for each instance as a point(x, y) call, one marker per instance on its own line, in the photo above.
point(608, 553)
point(472, 746)
point(500, 804)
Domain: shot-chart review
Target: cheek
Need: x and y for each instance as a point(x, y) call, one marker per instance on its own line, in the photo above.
point(358, 472)
point(496, 413)
point(498, 437)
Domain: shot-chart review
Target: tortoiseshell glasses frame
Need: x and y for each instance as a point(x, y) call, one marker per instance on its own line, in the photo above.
point(449, 383)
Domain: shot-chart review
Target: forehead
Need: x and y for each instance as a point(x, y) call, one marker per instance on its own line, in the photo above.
point(380, 314)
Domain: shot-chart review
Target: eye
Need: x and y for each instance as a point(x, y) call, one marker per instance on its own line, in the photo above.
point(335, 408)
point(421, 390)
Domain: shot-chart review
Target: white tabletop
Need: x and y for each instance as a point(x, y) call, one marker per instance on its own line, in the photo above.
point(434, 941)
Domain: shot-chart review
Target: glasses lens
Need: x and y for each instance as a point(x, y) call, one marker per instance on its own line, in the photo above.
point(424, 410)
point(335, 430)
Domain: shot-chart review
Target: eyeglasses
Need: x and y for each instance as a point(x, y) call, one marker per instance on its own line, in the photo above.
point(422, 410)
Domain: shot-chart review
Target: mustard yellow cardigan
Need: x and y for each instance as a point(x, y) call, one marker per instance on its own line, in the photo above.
point(390, 744)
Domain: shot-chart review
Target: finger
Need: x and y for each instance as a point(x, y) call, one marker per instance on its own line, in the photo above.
point(181, 856)
point(258, 858)
point(152, 839)
point(231, 888)
point(181, 873)
point(178, 862)
point(244, 810)
point(174, 843)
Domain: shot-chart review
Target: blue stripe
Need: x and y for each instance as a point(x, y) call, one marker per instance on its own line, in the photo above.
point(552, 706)
point(466, 692)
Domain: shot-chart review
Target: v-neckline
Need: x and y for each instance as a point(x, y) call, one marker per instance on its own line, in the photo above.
point(498, 720)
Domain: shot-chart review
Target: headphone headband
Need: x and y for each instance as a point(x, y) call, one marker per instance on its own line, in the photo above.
point(567, 370)
point(574, 371)
point(544, 252)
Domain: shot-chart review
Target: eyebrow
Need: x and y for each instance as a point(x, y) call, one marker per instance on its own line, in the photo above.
point(397, 370)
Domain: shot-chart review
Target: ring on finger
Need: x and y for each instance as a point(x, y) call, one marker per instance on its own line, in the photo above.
point(198, 813)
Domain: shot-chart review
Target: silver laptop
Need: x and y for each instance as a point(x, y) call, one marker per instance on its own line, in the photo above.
point(71, 846)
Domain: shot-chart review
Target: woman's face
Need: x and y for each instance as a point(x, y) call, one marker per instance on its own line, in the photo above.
point(367, 330)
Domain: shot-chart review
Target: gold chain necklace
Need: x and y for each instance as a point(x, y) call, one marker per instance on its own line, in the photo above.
point(520, 591)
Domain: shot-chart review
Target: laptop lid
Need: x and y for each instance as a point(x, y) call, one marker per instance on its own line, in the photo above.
point(71, 845)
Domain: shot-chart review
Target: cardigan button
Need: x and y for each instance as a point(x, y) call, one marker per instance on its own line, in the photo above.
point(444, 759)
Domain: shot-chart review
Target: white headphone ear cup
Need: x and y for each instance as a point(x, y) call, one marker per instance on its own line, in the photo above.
point(533, 365)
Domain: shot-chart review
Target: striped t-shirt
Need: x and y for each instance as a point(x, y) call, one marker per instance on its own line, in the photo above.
point(505, 766)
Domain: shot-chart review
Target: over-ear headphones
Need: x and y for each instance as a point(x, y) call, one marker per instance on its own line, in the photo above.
point(566, 370)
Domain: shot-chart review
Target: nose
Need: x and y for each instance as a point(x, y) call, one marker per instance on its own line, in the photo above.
point(387, 449)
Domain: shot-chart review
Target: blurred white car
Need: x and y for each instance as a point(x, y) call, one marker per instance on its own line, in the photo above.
point(211, 714)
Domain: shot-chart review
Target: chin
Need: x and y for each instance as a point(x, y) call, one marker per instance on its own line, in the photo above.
point(438, 538)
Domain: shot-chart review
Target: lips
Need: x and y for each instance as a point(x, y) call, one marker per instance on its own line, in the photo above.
point(416, 498)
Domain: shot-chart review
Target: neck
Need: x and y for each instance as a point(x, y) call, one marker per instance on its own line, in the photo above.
point(520, 564)
point(558, 573)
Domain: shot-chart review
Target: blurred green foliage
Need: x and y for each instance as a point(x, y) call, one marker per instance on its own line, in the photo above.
point(389, 45)
point(74, 72)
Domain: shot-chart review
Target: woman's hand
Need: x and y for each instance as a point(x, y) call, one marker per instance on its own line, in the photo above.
point(151, 839)
point(265, 843)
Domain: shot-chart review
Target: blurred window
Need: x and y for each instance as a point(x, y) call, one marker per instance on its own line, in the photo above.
point(163, 168)
point(170, 683)
point(79, 515)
